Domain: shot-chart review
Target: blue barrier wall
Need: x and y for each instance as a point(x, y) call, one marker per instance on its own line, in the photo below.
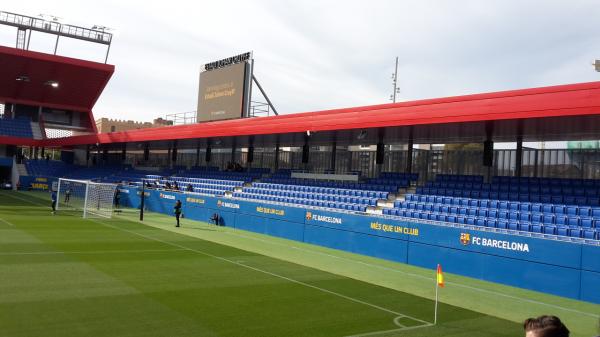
point(561, 268)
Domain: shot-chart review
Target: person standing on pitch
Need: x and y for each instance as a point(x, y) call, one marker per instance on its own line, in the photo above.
point(67, 195)
point(177, 209)
point(53, 197)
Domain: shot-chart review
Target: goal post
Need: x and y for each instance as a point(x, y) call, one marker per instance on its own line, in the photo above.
point(88, 197)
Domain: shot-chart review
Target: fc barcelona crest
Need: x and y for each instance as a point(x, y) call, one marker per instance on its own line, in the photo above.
point(465, 238)
point(308, 215)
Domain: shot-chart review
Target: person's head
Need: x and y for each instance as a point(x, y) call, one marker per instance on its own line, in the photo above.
point(545, 326)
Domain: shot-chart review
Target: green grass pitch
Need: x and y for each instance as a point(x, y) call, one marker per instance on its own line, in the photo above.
point(67, 276)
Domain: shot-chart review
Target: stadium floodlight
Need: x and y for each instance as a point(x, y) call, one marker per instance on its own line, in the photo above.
point(597, 65)
point(89, 198)
point(53, 84)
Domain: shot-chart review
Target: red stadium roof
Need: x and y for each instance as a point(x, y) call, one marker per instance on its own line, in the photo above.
point(80, 82)
point(548, 113)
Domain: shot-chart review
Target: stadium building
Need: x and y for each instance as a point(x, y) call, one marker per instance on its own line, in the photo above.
point(419, 183)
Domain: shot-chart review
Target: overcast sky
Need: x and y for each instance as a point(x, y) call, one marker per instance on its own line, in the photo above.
point(322, 54)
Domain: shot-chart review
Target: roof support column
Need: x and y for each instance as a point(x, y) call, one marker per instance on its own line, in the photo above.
point(305, 152)
point(488, 150)
point(409, 152)
point(333, 156)
point(519, 156)
point(123, 153)
point(276, 156)
point(380, 152)
point(250, 154)
point(519, 152)
point(197, 154)
point(233, 148)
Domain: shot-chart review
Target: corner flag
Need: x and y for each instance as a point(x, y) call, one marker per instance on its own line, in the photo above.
point(440, 276)
point(439, 282)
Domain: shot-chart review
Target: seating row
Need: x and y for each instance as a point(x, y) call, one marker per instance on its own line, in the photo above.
point(504, 205)
point(332, 184)
point(300, 201)
point(511, 196)
point(323, 190)
point(532, 189)
point(315, 196)
point(517, 225)
point(546, 181)
point(534, 217)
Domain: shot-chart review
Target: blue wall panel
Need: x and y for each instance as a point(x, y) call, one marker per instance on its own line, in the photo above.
point(590, 258)
point(524, 248)
point(590, 286)
point(371, 245)
point(551, 279)
point(284, 229)
point(251, 223)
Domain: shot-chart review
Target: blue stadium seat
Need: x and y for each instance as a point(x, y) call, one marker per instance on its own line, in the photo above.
point(573, 221)
point(562, 230)
point(536, 228)
point(586, 222)
point(575, 232)
point(572, 210)
point(524, 226)
point(549, 219)
point(589, 234)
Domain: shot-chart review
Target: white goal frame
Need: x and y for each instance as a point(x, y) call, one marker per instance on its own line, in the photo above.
point(102, 195)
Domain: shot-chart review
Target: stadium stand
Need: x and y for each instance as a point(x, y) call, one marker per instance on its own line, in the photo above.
point(549, 206)
point(583, 192)
point(17, 127)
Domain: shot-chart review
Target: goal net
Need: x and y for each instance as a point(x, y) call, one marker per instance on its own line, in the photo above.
point(87, 197)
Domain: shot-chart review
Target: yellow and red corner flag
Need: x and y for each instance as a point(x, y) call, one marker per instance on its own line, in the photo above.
point(440, 276)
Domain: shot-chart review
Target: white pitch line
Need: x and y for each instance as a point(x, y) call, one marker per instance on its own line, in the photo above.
point(8, 223)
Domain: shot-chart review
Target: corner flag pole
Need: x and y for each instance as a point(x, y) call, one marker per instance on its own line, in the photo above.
point(439, 282)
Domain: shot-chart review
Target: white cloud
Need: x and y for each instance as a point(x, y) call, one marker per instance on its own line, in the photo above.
point(325, 54)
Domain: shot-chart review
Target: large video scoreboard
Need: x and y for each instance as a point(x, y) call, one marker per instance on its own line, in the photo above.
point(224, 88)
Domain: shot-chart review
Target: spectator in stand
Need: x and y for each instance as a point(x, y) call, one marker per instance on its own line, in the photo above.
point(189, 188)
point(545, 326)
point(230, 166)
point(167, 185)
point(176, 186)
